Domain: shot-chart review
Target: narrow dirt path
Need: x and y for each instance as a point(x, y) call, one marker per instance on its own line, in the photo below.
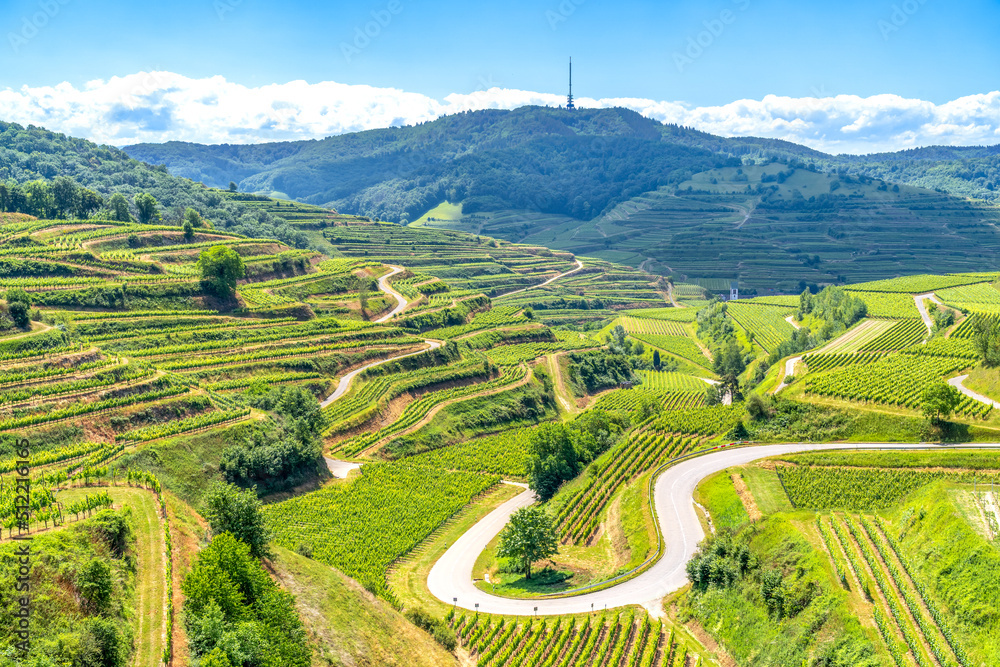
point(36, 328)
point(670, 295)
point(789, 372)
point(442, 405)
point(383, 284)
point(345, 382)
point(563, 394)
point(791, 320)
point(401, 303)
point(340, 469)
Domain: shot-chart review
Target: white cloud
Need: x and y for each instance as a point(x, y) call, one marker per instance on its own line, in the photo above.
point(164, 106)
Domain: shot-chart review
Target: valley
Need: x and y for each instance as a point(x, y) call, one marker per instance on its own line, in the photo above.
point(330, 447)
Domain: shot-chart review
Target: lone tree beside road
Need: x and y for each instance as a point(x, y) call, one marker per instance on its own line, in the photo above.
point(528, 537)
point(939, 401)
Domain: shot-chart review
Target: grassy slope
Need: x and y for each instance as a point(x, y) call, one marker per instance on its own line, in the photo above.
point(150, 589)
point(736, 615)
point(350, 626)
point(186, 464)
point(961, 568)
point(985, 381)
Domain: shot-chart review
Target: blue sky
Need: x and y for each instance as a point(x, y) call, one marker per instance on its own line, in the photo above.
point(626, 48)
point(677, 61)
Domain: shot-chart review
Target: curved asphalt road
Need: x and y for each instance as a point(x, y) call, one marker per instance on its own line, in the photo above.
point(579, 267)
point(401, 303)
point(451, 576)
point(383, 284)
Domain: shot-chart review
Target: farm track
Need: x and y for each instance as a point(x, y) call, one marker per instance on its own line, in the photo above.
point(789, 372)
point(562, 391)
point(451, 575)
point(42, 328)
point(850, 336)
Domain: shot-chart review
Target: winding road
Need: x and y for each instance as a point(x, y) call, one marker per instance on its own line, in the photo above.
point(451, 575)
point(957, 383)
point(401, 302)
point(579, 267)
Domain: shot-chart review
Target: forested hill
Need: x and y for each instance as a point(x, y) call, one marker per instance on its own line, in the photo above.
point(578, 163)
point(43, 173)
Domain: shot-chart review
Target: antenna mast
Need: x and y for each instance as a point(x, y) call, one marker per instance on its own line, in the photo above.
point(569, 99)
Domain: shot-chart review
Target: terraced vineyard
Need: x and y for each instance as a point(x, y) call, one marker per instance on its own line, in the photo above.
point(581, 512)
point(626, 640)
point(363, 527)
point(903, 334)
point(887, 304)
point(132, 357)
point(657, 327)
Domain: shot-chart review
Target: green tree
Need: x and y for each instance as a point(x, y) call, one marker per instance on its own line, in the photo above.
point(106, 644)
point(230, 509)
point(528, 537)
point(220, 268)
point(89, 203)
point(552, 459)
point(147, 208)
point(758, 406)
point(40, 202)
point(19, 306)
point(232, 186)
point(217, 658)
point(939, 401)
point(656, 359)
point(96, 586)
point(729, 363)
point(118, 208)
point(188, 231)
point(712, 396)
point(772, 589)
point(987, 339)
point(192, 216)
point(65, 196)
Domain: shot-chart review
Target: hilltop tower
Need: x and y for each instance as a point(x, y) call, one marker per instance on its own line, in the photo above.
point(569, 98)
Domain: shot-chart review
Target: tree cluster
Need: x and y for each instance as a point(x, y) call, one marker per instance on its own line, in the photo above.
point(987, 339)
point(234, 613)
point(50, 175)
point(282, 453)
point(557, 452)
point(19, 307)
